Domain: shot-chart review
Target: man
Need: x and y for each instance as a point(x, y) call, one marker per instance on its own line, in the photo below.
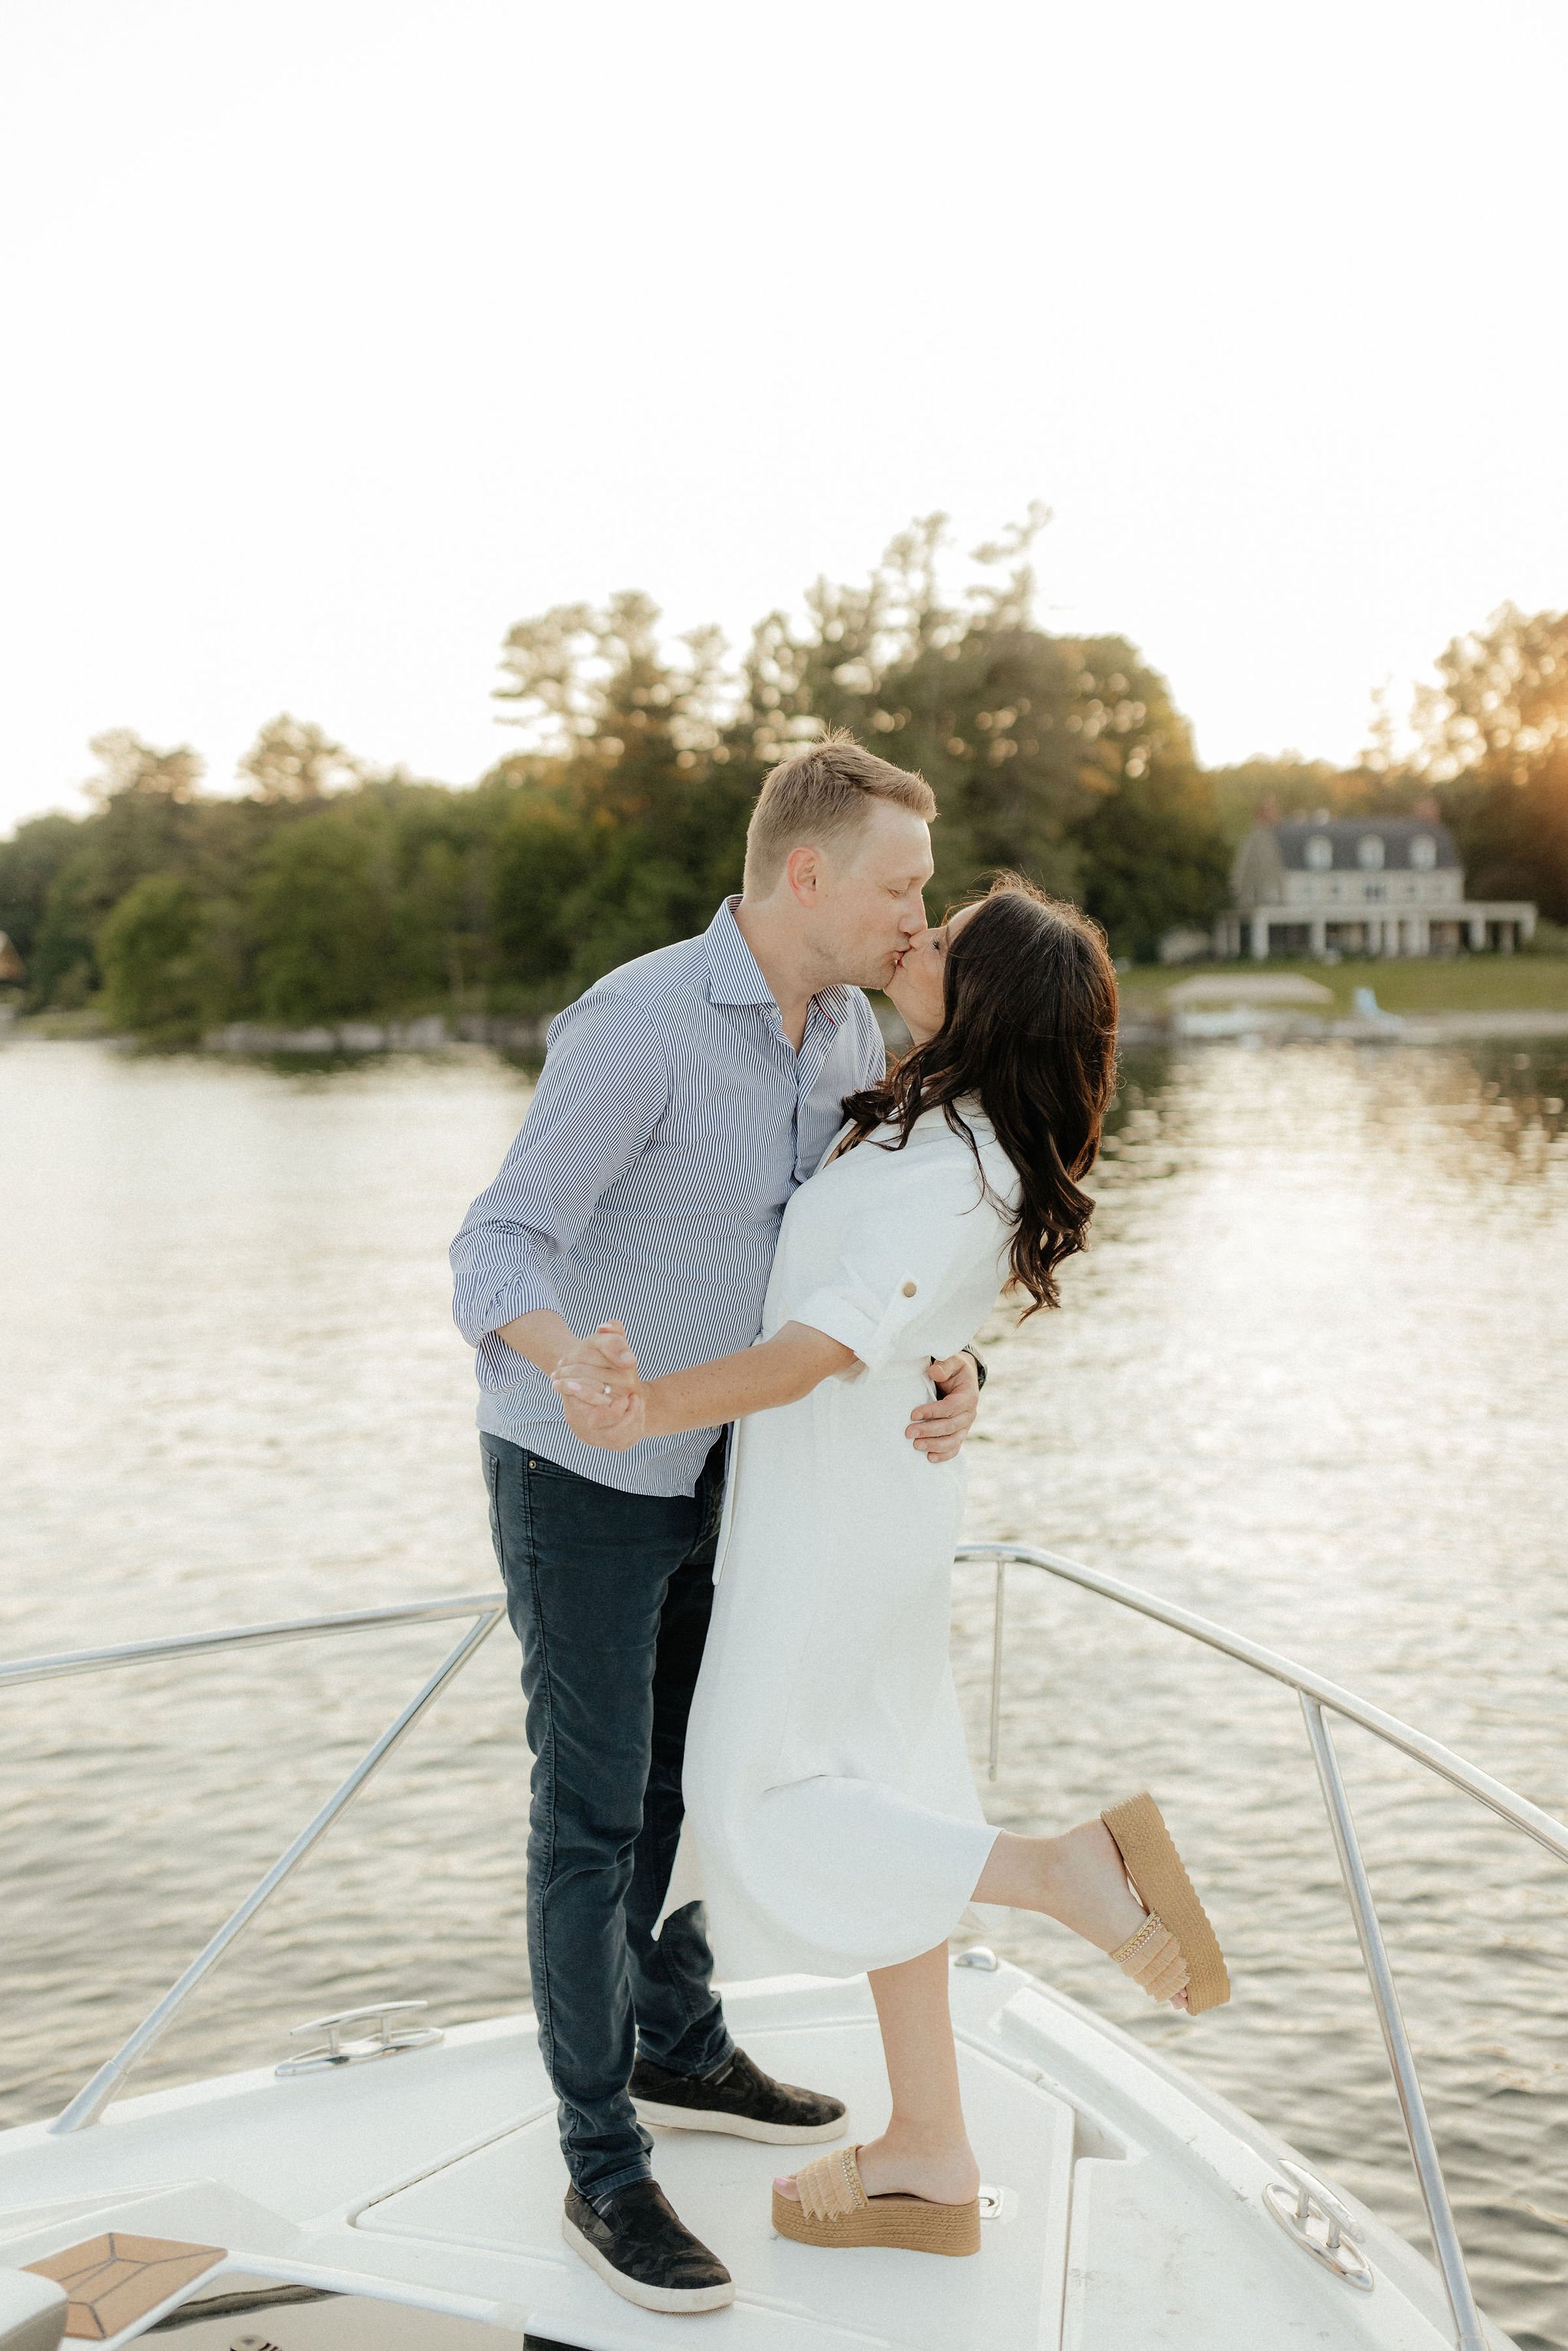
point(681, 1101)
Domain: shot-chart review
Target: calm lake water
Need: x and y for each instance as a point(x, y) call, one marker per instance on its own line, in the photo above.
point(1311, 1379)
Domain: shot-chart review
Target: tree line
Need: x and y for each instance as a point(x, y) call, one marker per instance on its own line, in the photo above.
point(325, 888)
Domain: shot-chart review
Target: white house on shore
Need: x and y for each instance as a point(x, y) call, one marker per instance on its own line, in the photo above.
point(1374, 885)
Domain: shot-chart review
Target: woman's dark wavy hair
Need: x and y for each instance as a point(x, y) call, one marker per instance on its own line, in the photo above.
point(1029, 1028)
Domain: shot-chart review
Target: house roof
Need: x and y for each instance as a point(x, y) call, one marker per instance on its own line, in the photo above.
point(1344, 836)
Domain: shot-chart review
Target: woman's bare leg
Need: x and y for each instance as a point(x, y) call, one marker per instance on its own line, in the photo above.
point(924, 2150)
point(1077, 1878)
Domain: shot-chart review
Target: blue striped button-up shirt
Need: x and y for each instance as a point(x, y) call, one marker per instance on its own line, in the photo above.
point(672, 1121)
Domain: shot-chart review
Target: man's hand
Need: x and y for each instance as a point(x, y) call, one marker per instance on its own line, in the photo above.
point(939, 1429)
point(599, 1390)
point(603, 1362)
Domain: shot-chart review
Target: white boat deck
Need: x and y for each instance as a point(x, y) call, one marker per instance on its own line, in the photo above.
point(1128, 2208)
point(413, 2202)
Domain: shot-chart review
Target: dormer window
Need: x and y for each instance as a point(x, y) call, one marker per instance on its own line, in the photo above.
point(1320, 853)
point(1369, 852)
point(1424, 853)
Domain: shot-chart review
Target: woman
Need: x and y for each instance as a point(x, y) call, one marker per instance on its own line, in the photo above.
point(829, 1806)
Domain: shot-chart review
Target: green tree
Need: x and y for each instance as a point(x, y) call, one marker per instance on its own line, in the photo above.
point(1513, 837)
point(324, 891)
point(63, 968)
point(636, 766)
point(1154, 858)
point(30, 863)
point(145, 823)
point(160, 978)
point(1019, 733)
point(1496, 739)
point(1029, 741)
point(443, 847)
point(542, 858)
point(323, 918)
point(294, 762)
point(1502, 708)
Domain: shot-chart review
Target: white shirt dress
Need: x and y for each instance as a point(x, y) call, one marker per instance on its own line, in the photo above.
point(832, 1818)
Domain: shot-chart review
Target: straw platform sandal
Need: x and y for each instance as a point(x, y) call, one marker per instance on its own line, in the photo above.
point(834, 2211)
point(1176, 1949)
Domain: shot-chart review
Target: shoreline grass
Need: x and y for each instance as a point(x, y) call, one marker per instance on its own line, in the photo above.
point(1413, 984)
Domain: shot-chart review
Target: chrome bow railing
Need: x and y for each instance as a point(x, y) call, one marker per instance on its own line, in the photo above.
point(1318, 1694)
point(487, 1610)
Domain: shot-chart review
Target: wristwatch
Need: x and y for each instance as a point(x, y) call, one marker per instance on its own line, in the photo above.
point(978, 1361)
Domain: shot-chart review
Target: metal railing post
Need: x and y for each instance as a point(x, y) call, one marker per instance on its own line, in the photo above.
point(92, 2099)
point(1396, 2041)
point(997, 1611)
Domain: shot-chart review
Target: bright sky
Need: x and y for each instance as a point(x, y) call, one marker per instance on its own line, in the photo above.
point(340, 335)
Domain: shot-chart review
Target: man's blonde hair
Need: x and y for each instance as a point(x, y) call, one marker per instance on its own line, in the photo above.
point(821, 796)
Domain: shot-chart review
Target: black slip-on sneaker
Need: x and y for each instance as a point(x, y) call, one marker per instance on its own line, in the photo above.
point(738, 2098)
point(642, 2250)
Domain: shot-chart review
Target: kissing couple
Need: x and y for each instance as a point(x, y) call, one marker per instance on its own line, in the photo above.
point(726, 1229)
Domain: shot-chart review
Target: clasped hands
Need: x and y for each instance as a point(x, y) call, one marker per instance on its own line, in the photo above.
point(603, 1395)
point(605, 1399)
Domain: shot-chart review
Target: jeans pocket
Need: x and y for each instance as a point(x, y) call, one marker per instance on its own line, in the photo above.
point(537, 1465)
point(492, 1462)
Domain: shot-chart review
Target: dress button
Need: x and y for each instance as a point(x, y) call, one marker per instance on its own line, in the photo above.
point(909, 1289)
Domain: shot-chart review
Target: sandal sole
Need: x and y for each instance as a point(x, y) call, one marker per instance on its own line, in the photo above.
point(1162, 1885)
point(908, 2224)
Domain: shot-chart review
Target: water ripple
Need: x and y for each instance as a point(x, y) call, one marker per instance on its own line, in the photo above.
point(1311, 1379)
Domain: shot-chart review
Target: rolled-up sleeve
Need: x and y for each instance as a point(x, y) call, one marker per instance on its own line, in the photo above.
point(860, 1316)
point(604, 1088)
point(898, 1260)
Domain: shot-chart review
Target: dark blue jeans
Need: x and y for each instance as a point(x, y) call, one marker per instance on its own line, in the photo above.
point(610, 1595)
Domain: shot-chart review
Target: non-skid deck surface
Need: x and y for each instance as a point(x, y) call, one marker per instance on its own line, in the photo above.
point(507, 2197)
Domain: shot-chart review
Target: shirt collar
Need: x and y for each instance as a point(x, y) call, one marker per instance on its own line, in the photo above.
point(734, 973)
point(735, 976)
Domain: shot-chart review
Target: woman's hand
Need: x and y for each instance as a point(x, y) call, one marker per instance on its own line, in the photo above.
point(939, 1429)
point(604, 1401)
